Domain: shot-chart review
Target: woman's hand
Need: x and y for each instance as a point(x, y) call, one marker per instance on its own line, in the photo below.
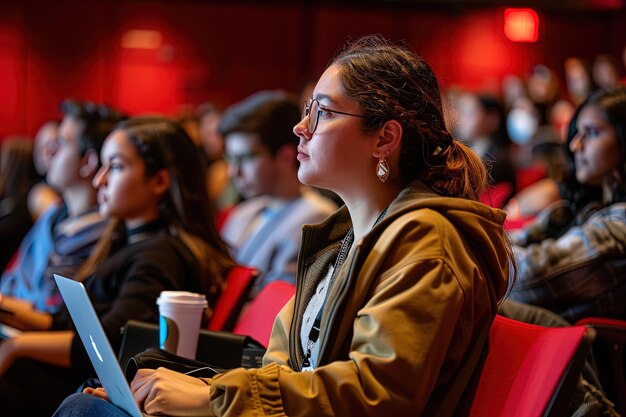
point(48, 347)
point(10, 307)
point(163, 391)
point(97, 392)
point(22, 315)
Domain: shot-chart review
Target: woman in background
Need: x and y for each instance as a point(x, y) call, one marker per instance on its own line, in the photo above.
point(17, 176)
point(579, 270)
point(151, 181)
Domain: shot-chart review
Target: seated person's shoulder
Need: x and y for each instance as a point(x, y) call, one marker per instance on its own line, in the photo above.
point(40, 198)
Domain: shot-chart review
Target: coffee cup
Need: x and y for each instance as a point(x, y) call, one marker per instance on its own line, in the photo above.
point(179, 322)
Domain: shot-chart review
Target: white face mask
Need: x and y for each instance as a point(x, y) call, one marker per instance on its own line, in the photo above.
point(521, 125)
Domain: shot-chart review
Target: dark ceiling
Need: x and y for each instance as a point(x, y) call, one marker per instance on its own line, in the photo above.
point(562, 5)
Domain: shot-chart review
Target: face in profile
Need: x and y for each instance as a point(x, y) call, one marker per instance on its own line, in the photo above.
point(65, 159)
point(339, 154)
point(45, 144)
point(596, 148)
point(250, 165)
point(124, 190)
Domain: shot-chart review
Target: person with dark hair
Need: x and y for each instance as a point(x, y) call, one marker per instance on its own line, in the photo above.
point(265, 229)
point(481, 123)
point(605, 70)
point(162, 238)
point(64, 235)
point(578, 78)
point(17, 177)
point(578, 269)
point(396, 291)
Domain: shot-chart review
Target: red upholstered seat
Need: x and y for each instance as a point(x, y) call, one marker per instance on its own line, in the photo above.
point(497, 194)
point(238, 284)
point(530, 371)
point(257, 321)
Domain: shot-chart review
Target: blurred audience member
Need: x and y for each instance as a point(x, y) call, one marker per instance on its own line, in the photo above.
point(64, 235)
point(513, 88)
point(521, 124)
point(543, 90)
point(560, 116)
point(578, 79)
point(579, 270)
point(480, 123)
point(265, 229)
point(606, 72)
point(221, 191)
point(42, 195)
point(151, 183)
point(17, 176)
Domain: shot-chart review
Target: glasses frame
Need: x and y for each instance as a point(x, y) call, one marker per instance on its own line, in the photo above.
point(311, 127)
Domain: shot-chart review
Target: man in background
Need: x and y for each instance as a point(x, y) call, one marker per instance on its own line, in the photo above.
point(64, 235)
point(265, 229)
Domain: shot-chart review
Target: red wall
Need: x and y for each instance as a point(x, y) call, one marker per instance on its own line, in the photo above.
point(225, 51)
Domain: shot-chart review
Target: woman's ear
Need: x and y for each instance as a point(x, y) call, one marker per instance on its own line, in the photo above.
point(161, 182)
point(389, 139)
point(89, 164)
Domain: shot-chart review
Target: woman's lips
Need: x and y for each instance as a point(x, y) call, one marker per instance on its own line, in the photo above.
point(301, 154)
point(102, 197)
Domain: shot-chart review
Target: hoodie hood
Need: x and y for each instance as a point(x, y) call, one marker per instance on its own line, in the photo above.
point(479, 225)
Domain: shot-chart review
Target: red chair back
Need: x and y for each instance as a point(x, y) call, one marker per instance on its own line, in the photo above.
point(497, 194)
point(257, 321)
point(530, 371)
point(238, 284)
point(528, 176)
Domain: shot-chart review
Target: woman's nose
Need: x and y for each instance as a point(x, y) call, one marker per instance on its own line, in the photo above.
point(301, 129)
point(576, 143)
point(100, 177)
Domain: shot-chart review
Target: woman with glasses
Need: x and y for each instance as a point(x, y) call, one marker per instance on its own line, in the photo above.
point(396, 291)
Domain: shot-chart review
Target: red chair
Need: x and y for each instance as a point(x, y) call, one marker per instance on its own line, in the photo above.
point(526, 176)
point(257, 321)
point(609, 351)
point(530, 371)
point(238, 284)
point(497, 194)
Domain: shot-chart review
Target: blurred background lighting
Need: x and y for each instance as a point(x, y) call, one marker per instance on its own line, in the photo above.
point(521, 25)
point(142, 39)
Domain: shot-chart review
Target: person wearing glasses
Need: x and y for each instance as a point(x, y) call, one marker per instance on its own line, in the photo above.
point(264, 230)
point(396, 291)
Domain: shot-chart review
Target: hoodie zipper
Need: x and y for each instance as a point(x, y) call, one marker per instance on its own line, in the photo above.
point(325, 331)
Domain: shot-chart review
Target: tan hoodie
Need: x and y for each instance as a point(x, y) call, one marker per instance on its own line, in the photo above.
point(407, 316)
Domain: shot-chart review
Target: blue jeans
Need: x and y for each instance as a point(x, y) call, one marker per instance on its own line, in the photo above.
point(87, 405)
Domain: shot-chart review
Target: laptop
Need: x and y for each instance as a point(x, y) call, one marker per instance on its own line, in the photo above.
point(98, 348)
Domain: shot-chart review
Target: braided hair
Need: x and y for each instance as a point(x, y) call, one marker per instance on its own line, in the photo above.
point(391, 83)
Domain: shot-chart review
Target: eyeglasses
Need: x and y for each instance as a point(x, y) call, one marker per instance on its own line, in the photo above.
point(313, 107)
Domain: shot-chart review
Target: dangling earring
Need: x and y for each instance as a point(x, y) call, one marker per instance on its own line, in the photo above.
point(382, 169)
